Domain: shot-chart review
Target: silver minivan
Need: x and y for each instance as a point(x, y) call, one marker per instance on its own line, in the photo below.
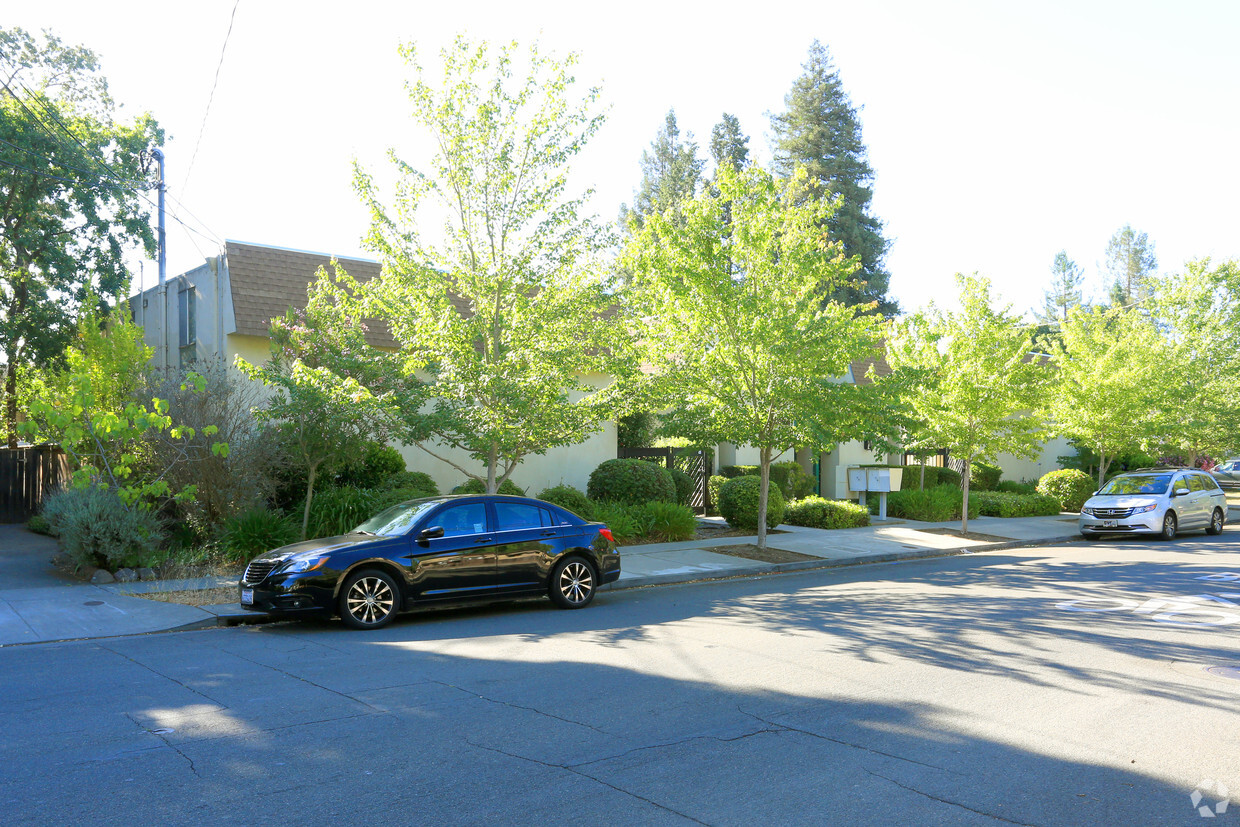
point(1161, 501)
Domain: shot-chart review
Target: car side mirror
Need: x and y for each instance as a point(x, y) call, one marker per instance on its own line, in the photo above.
point(1181, 492)
point(431, 533)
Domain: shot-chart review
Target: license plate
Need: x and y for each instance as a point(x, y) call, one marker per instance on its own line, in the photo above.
point(1105, 524)
point(247, 597)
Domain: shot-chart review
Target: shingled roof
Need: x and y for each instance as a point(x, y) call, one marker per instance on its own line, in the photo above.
point(267, 281)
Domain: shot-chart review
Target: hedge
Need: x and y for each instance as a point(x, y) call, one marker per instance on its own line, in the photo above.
point(816, 512)
point(565, 496)
point(1002, 504)
point(935, 476)
point(794, 483)
point(631, 481)
point(983, 477)
point(1070, 486)
point(739, 499)
point(934, 505)
point(473, 486)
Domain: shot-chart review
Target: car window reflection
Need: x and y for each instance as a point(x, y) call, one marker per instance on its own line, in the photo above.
point(396, 520)
point(459, 520)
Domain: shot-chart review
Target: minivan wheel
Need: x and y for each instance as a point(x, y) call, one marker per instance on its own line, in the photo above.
point(1216, 522)
point(572, 583)
point(1169, 526)
point(369, 600)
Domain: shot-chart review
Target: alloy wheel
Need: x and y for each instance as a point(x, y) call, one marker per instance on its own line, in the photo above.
point(370, 600)
point(573, 585)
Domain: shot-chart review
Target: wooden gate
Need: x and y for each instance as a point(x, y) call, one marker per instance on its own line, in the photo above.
point(27, 475)
point(698, 466)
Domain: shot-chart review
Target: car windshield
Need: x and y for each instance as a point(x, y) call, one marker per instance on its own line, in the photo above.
point(395, 520)
point(1152, 484)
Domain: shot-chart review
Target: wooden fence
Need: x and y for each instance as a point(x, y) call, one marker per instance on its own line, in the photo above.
point(27, 475)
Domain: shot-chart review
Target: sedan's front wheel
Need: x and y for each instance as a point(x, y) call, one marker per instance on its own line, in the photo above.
point(1169, 526)
point(369, 599)
point(572, 583)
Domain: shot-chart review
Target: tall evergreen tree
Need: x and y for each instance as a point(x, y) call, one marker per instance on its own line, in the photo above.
point(1065, 291)
point(1131, 263)
point(671, 172)
point(728, 145)
point(820, 130)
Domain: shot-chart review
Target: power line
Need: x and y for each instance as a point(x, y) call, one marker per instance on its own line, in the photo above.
point(211, 97)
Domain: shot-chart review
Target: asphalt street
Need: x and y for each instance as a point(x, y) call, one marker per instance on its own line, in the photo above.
point(1082, 684)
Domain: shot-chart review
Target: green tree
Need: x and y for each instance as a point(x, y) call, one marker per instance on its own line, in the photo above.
point(728, 144)
point(1106, 396)
point(980, 393)
point(502, 316)
point(742, 347)
point(819, 130)
point(71, 178)
point(332, 394)
point(671, 172)
point(1198, 372)
point(1130, 263)
point(1064, 293)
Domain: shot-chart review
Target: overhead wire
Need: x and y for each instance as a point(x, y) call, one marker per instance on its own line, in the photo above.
point(210, 98)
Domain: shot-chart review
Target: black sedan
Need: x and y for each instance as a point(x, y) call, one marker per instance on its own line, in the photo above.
point(434, 551)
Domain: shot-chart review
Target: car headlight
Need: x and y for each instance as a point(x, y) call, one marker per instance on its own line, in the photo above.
point(304, 564)
point(1087, 510)
point(1141, 509)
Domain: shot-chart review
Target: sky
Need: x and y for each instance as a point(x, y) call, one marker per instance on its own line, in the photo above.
point(999, 133)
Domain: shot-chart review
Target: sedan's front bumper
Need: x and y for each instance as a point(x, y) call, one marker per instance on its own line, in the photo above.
point(285, 594)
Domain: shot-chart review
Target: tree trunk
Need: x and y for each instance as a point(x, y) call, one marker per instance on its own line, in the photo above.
point(764, 490)
point(1103, 464)
point(964, 504)
point(305, 514)
point(921, 485)
point(492, 460)
point(10, 403)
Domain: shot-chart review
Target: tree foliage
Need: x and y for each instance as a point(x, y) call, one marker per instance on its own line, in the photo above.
point(980, 392)
point(1064, 292)
point(1106, 396)
point(671, 173)
point(71, 178)
point(742, 346)
point(1130, 262)
point(729, 146)
point(504, 314)
point(820, 131)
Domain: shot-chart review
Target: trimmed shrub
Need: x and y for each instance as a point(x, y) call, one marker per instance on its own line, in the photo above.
point(412, 480)
point(631, 481)
point(684, 486)
point(376, 464)
point(935, 476)
point(565, 496)
point(256, 531)
point(1004, 504)
point(816, 512)
point(733, 471)
point(1013, 487)
point(473, 486)
point(39, 525)
point(712, 486)
point(983, 477)
point(738, 503)
point(1070, 486)
point(793, 482)
point(96, 529)
point(948, 476)
point(933, 505)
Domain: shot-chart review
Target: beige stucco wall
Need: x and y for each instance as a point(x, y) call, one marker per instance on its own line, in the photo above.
point(1026, 470)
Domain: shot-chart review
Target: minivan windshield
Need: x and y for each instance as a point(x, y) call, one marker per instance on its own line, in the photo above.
point(1144, 484)
point(396, 520)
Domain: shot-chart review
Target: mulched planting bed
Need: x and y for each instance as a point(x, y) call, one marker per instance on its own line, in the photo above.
point(766, 555)
point(972, 535)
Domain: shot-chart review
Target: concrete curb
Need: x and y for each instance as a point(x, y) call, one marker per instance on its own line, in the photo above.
point(809, 565)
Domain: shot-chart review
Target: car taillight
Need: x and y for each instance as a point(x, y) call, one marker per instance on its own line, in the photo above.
point(606, 533)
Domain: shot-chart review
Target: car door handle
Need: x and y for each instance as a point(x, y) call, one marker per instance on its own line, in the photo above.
point(481, 541)
point(548, 534)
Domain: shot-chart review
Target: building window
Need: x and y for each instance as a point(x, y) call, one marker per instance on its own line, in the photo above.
point(187, 317)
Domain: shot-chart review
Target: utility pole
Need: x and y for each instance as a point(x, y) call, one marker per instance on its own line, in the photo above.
point(163, 258)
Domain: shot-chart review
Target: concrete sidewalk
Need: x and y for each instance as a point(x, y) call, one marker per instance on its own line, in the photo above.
point(38, 604)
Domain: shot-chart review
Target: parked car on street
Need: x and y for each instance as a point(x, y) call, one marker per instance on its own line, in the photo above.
point(1161, 501)
point(434, 551)
point(1227, 474)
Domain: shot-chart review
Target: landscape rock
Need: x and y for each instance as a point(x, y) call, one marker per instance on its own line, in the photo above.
point(102, 576)
point(61, 560)
point(147, 573)
point(126, 575)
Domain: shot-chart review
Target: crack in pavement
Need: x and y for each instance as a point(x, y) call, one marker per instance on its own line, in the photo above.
point(946, 801)
point(168, 744)
point(155, 671)
point(519, 706)
point(288, 674)
point(573, 769)
point(787, 728)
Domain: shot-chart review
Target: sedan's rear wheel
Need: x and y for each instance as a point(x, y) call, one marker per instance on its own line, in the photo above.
point(369, 599)
point(1169, 526)
point(1216, 522)
point(573, 583)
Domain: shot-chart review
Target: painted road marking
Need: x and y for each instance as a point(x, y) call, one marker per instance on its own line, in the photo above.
point(1197, 610)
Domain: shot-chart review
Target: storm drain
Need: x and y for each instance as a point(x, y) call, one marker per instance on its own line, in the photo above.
point(1232, 672)
point(93, 603)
